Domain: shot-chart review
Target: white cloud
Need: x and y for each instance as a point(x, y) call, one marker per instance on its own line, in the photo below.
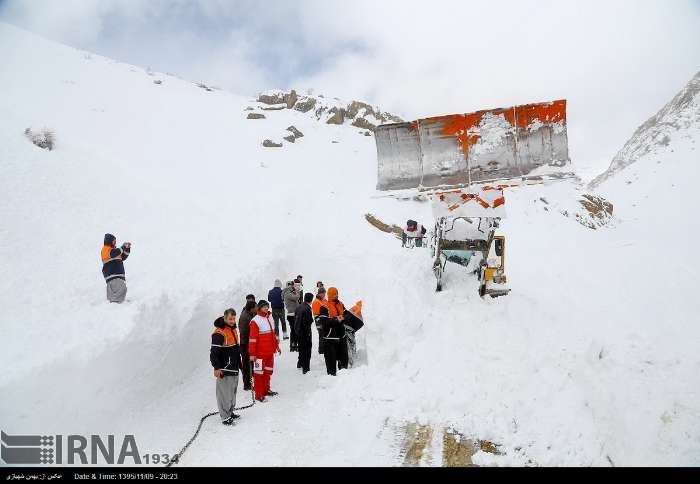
point(616, 61)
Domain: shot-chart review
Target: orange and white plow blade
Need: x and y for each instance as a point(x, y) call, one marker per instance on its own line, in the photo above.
point(485, 146)
point(480, 202)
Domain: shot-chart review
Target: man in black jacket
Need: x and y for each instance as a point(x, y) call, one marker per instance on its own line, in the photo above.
point(225, 357)
point(303, 320)
point(333, 336)
point(247, 314)
point(113, 258)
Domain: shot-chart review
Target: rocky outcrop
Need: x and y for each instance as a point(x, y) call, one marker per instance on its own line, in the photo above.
point(271, 97)
point(599, 211)
point(337, 116)
point(290, 138)
point(330, 110)
point(291, 99)
point(305, 104)
point(255, 116)
point(271, 144)
point(295, 132)
point(364, 124)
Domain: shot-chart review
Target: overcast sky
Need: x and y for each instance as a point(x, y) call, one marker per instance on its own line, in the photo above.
point(615, 61)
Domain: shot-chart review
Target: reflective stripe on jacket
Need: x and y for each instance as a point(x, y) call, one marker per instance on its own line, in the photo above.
point(262, 340)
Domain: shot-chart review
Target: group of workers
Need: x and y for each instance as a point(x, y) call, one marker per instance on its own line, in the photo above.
point(249, 347)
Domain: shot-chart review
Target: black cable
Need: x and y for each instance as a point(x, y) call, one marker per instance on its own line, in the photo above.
point(176, 457)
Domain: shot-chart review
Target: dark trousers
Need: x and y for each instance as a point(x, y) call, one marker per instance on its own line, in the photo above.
point(246, 366)
point(330, 354)
point(293, 343)
point(320, 342)
point(342, 353)
point(278, 317)
point(304, 359)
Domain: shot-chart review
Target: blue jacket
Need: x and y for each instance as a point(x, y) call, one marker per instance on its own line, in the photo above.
point(275, 298)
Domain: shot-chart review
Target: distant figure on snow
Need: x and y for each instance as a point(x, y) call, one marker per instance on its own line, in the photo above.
point(277, 304)
point(303, 319)
point(299, 279)
point(225, 357)
point(413, 233)
point(291, 303)
point(113, 258)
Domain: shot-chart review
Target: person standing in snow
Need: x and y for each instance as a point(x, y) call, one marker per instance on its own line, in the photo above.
point(319, 301)
point(291, 303)
point(413, 232)
point(302, 327)
point(247, 314)
point(262, 346)
point(334, 347)
point(301, 288)
point(277, 304)
point(113, 258)
point(225, 357)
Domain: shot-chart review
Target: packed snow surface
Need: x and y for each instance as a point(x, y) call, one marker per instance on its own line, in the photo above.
point(591, 360)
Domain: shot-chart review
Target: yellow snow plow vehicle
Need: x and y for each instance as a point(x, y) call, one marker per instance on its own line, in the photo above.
point(463, 163)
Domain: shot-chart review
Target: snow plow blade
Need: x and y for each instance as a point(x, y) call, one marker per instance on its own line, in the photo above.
point(526, 142)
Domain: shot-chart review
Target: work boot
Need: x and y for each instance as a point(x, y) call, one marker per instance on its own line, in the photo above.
point(234, 416)
point(261, 399)
point(247, 388)
point(270, 393)
point(228, 421)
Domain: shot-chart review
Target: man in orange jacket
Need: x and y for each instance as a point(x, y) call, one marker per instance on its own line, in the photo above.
point(335, 350)
point(316, 312)
point(262, 345)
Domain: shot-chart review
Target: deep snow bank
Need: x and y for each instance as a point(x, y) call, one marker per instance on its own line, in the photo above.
point(590, 359)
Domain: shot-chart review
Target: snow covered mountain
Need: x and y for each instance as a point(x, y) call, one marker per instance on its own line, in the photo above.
point(675, 123)
point(591, 360)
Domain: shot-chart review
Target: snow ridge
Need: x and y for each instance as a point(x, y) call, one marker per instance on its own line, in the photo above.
point(675, 120)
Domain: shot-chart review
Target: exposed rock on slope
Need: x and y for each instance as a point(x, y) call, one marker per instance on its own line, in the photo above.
point(675, 120)
point(330, 111)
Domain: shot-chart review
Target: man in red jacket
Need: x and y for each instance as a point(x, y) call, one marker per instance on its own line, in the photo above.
point(262, 345)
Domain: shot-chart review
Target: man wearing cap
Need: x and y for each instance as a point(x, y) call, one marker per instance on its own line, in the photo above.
point(262, 345)
point(113, 258)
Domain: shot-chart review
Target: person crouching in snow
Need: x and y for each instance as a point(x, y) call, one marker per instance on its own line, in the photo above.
point(262, 345)
point(302, 327)
point(414, 233)
point(225, 357)
point(113, 258)
point(334, 345)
